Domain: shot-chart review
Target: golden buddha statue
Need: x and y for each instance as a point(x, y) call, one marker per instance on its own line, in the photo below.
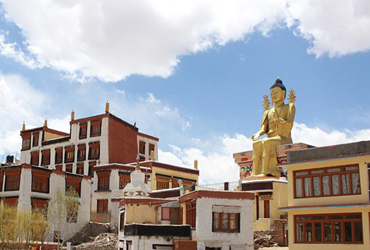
point(277, 123)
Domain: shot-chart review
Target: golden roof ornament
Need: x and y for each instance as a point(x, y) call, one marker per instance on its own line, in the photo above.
point(137, 168)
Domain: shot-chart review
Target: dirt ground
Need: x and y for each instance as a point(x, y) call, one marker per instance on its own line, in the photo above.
point(275, 248)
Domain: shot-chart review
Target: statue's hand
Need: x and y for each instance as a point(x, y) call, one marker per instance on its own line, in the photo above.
point(256, 136)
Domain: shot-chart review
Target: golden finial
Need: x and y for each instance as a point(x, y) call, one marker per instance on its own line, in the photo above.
point(73, 115)
point(137, 163)
point(152, 158)
point(292, 97)
point(46, 122)
point(107, 107)
point(195, 164)
point(24, 126)
point(266, 102)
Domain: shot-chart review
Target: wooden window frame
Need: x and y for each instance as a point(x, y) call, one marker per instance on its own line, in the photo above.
point(122, 220)
point(91, 168)
point(12, 180)
point(124, 179)
point(35, 139)
point(81, 152)
point(1, 180)
point(35, 158)
point(94, 151)
point(41, 204)
point(103, 181)
point(102, 206)
point(69, 154)
point(95, 129)
point(26, 142)
point(74, 183)
point(45, 157)
point(83, 131)
point(40, 181)
point(165, 213)
point(229, 219)
point(142, 146)
point(307, 219)
point(69, 168)
point(163, 182)
point(80, 168)
point(299, 175)
point(58, 155)
point(191, 213)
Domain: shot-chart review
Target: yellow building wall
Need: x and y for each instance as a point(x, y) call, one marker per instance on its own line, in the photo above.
point(173, 173)
point(141, 214)
point(342, 246)
point(49, 136)
point(358, 198)
point(279, 199)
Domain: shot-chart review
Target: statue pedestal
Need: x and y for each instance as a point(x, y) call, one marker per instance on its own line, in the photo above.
point(245, 162)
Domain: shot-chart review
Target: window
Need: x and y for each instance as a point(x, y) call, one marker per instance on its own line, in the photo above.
point(83, 131)
point(124, 179)
point(81, 153)
point(69, 168)
point(69, 153)
point(26, 143)
point(166, 213)
point(95, 128)
point(40, 204)
point(328, 228)
point(12, 179)
point(35, 158)
point(91, 168)
point(73, 184)
point(94, 150)
point(58, 155)
point(1, 180)
point(342, 180)
point(102, 206)
point(225, 222)
point(80, 168)
point(11, 201)
point(103, 180)
point(151, 148)
point(121, 220)
point(59, 168)
point(142, 147)
point(163, 182)
point(45, 157)
point(35, 140)
point(40, 181)
point(191, 213)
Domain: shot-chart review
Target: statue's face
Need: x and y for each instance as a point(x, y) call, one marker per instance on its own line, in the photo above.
point(277, 95)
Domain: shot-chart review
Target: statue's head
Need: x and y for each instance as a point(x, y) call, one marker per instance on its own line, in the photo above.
point(278, 90)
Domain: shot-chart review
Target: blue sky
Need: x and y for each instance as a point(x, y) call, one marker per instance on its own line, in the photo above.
point(192, 73)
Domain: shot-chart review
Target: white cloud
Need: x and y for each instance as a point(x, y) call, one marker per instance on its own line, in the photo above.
point(335, 27)
point(111, 40)
point(19, 102)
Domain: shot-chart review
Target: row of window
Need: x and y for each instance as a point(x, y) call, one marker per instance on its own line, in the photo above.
point(40, 181)
point(329, 228)
point(343, 180)
point(163, 182)
point(69, 154)
point(79, 168)
point(142, 147)
point(95, 130)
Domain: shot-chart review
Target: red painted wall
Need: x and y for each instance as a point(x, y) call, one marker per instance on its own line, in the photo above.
point(122, 142)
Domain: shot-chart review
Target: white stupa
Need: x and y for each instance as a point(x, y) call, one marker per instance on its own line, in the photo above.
point(137, 186)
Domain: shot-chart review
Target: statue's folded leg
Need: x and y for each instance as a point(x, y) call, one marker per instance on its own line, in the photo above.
point(257, 157)
point(269, 157)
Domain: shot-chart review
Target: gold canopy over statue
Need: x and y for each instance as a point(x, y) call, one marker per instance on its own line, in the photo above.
point(277, 123)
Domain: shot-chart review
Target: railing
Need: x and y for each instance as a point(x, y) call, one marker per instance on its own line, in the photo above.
point(231, 186)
